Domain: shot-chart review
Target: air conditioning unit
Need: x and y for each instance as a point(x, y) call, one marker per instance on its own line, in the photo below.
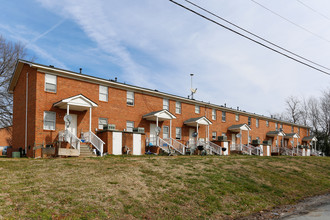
point(222, 138)
point(267, 142)
point(138, 130)
point(109, 127)
point(255, 142)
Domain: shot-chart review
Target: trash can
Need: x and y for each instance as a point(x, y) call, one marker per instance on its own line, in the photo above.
point(16, 154)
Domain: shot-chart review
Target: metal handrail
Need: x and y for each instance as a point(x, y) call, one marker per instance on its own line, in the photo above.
point(95, 141)
point(179, 147)
point(215, 148)
point(71, 138)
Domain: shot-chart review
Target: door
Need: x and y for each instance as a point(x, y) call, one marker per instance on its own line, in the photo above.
point(191, 138)
point(117, 143)
point(137, 144)
point(73, 124)
point(233, 142)
point(153, 135)
point(225, 145)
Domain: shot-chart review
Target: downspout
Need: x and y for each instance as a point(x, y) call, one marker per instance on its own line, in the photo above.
point(26, 109)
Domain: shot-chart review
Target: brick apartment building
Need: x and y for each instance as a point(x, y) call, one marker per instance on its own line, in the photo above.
point(44, 95)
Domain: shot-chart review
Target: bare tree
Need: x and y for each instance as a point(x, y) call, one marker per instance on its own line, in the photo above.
point(313, 113)
point(304, 112)
point(292, 108)
point(325, 112)
point(9, 54)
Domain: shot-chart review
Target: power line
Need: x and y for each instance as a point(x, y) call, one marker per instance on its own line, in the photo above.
point(261, 38)
point(249, 38)
point(317, 12)
point(291, 22)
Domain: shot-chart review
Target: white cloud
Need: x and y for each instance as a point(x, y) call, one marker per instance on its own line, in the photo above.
point(158, 45)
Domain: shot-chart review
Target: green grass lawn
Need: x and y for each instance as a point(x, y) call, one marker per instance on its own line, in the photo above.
point(152, 187)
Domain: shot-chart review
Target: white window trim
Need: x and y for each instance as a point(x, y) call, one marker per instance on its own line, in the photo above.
point(54, 113)
point(257, 122)
point(130, 98)
point(129, 128)
point(214, 137)
point(101, 93)
point(214, 114)
point(223, 116)
point(166, 104)
point(46, 74)
point(178, 108)
point(236, 117)
point(197, 109)
point(176, 133)
point(102, 124)
point(168, 131)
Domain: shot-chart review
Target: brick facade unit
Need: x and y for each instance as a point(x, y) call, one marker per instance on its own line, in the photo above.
point(39, 115)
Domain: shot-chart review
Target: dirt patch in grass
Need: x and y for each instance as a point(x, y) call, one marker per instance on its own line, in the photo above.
point(181, 187)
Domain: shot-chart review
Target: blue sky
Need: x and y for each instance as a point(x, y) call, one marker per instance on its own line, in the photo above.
point(155, 44)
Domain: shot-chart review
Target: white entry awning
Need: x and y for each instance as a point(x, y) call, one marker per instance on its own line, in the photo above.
point(238, 128)
point(194, 122)
point(76, 103)
point(275, 133)
point(291, 135)
point(162, 115)
point(309, 138)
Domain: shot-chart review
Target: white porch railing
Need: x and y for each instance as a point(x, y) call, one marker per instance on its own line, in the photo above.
point(287, 151)
point(164, 145)
point(236, 147)
point(215, 148)
point(179, 147)
point(69, 137)
point(90, 137)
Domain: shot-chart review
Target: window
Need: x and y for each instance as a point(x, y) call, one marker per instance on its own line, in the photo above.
point(237, 117)
point(249, 121)
point(223, 116)
point(50, 83)
point(178, 133)
point(166, 132)
point(103, 93)
point(292, 129)
point(49, 120)
point(129, 126)
point(197, 109)
point(281, 126)
point(258, 139)
point(178, 107)
point(214, 135)
point(130, 98)
point(224, 134)
point(250, 138)
point(102, 122)
point(257, 123)
point(214, 114)
point(298, 131)
point(267, 123)
point(276, 126)
point(166, 104)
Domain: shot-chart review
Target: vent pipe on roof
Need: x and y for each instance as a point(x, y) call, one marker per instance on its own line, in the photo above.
point(80, 70)
point(225, 105)
point(115, 79)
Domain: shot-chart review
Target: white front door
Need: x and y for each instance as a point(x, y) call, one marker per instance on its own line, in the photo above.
point(191, 138)
point(73, 124)
point(233, 141)
point(153, 135)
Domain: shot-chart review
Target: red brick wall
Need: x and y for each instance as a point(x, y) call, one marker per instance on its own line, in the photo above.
point(116, 110)
point(19, 110)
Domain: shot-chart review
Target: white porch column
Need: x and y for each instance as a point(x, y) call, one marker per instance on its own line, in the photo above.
point(240, 139)
point(197, 133)
point(67, 113)
point(90, 119)
point(171, 129)
point(208, 132)
point(248, 137)
point(156, 121)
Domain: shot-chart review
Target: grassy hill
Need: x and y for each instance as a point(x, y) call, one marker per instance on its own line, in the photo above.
point(187, 187)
